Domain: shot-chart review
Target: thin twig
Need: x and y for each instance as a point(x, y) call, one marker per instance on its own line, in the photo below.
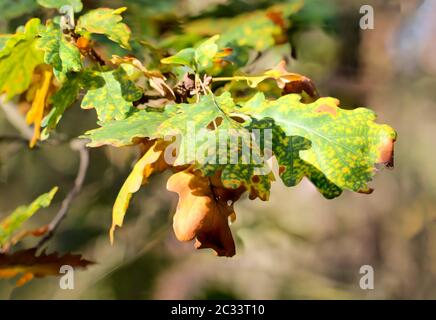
point(13, 139)
point(15, 118)
point(76, 145)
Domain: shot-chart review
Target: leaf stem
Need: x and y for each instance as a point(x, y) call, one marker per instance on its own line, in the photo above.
point(235, 78)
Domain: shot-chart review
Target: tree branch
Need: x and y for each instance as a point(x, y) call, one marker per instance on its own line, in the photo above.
point(76, 145)
point(14, 139)
point(16, 119)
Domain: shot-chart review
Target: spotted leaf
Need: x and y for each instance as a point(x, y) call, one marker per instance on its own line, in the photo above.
point(108, 22)
point(259, 29)
point(19, 58)
point(60, 53)
point(111, 93)
point(344, 144)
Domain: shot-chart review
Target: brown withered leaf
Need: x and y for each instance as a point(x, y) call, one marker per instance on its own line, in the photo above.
point(203, 211)
point(29, 265)
point(292, 82)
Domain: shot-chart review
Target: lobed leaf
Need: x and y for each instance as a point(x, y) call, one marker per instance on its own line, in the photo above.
point(111, 93)
point(132, 184)
point(59, 52)
point(185, 120)
point(345, 144)
point(108, 22)
point(202, 215)
point(140, 124)
point(19, 58)
point(292, 168)
point(259, 29)
point(199, 59)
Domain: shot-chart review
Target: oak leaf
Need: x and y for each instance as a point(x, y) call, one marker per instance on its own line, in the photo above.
point(141, 171)
point(111, 93)
point(60, 53)
point(343, 144)
point(108, 22)
point(18, 59)
point(29, 265)
point(203, 212)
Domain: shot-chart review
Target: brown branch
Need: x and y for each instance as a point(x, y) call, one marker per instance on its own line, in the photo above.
point(96, 57)
point(76, 145)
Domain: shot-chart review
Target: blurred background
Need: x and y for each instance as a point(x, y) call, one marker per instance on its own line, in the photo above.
point(295, 246)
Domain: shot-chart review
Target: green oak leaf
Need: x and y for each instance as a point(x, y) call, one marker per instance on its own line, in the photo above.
point(15, 220)
point(292, 168)
point(175, 119)
point(59, 52)
point(111, 93)
point(8, 42)
point(184, 119)
point(57, 4)
point(19, 58)
point(199, 59)
point(4, 38)
point(257, 29)
point(61, 100)
point(205, 53)
point(108, 22)
point(345, 144)
point(140, 124)
point(204, 119)
point(184, 57)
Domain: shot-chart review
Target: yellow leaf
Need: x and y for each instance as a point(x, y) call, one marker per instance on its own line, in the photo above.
point(140, 172)
point(36, 112)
